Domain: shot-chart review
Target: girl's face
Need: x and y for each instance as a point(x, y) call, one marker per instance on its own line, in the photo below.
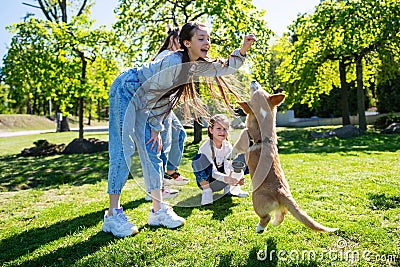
point(199, 45)
point(219, 132)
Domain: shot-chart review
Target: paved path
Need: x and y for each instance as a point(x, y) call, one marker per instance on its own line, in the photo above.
point(22, 133)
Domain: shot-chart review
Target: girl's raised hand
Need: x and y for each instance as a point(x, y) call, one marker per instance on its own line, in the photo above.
point(247, 42)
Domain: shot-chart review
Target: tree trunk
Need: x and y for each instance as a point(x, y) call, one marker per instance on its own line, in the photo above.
point(65, 125)
point(197, 132)
point(343, 94)
point(362, 121)
point(34, 106)
point(98, 110)
point(197, 126)
point(28, 106)
point(90, 112)
point(81, 104)
point(81, 100)
point(62, 122)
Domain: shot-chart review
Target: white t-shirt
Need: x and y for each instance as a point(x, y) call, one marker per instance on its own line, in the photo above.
point(221, 157)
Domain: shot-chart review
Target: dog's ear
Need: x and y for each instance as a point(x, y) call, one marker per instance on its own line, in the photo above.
point(276, 99)
point(245, 106)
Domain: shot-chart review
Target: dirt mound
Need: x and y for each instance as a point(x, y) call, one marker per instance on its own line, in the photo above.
point(86, 146)
point(77, 146)
point(42, 148)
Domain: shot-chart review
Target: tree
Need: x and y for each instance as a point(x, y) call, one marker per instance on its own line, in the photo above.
point(65, 50)
point(141, 26)
point(27, 58)
point(343, 32)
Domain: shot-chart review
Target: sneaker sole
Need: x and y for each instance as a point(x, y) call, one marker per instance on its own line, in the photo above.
point(173, 182)
point(107, 229)
point(159, 225)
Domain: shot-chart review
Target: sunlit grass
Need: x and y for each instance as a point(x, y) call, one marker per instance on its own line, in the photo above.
point(52, 209)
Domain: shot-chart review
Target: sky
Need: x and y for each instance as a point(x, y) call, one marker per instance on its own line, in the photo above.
point(279, 14)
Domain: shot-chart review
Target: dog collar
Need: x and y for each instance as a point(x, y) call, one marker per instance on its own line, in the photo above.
point(267, 140)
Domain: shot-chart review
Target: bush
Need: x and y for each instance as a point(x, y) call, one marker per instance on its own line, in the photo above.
point(388, 95)
point(385, 121)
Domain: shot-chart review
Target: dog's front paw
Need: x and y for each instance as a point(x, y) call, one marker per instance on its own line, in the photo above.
point(259, 229)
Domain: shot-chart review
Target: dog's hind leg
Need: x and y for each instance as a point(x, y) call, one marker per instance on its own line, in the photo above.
point(279, 216)
point(263, 205)
point(263, 223)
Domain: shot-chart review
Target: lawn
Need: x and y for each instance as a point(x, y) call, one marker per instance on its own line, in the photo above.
point(52, 209)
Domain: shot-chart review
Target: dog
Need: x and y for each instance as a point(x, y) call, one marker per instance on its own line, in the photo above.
point(259, 143)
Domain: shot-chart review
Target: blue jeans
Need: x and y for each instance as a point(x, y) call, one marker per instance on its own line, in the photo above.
point(202, 168)
point(173, 138)
point(129, 130)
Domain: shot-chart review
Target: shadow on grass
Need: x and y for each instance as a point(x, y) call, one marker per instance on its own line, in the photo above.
point(221, 207)
point(26, 242)
point(270, 256)
point(383, 202)
point(19, 173)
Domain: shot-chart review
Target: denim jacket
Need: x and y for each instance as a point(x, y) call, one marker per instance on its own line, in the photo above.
point(157, 78)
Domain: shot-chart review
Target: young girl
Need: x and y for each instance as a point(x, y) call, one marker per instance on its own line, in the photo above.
point(174, 130)
point(211, 166)
point(140, 99)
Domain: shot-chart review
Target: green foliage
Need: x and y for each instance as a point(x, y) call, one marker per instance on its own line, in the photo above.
point(5, 102)
point(143, 32)
point(59, 61)
point(328, 105)
point(388, 94)
point(344, 31)
point(385, 121)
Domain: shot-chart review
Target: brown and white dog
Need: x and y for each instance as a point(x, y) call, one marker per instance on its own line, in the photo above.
point(270, 188)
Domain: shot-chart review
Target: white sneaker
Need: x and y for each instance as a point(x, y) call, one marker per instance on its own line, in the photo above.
point(175, 179)
point(207, 197)
point(118, 224)
point(166, 193)
point(235, 191)
point(165, 217)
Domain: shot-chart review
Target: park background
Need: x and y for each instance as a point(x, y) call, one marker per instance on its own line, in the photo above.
point(339, 59)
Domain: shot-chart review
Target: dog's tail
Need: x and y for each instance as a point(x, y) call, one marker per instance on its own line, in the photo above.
point(302, 216)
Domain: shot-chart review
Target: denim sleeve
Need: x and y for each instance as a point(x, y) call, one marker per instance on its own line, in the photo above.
point(234, 62)
point(161, 78)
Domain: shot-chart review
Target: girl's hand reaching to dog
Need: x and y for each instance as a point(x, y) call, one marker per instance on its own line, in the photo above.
point(247, 42)
point(233, 181)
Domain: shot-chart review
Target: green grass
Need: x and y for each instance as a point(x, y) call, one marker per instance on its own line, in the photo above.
point(52, 209)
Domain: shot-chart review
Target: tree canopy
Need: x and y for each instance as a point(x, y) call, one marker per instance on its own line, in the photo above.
point(326, 46)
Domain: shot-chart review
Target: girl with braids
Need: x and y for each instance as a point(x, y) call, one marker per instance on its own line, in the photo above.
point(140, 99)
point(211, 166)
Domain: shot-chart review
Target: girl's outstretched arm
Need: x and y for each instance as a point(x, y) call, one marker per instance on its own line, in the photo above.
point(247, 42)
